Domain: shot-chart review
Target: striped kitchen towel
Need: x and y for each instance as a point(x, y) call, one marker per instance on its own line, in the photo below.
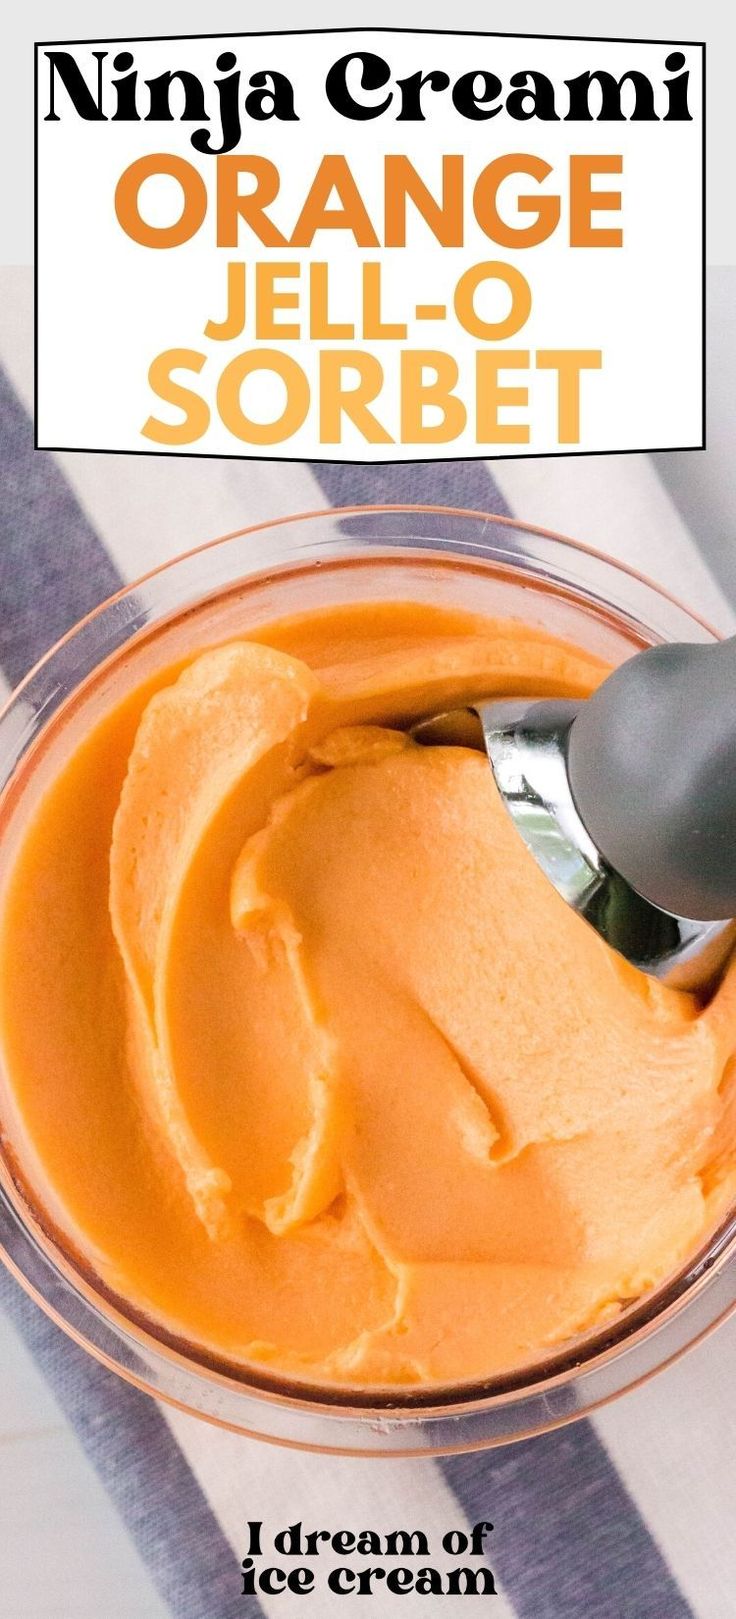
point(627, 1516)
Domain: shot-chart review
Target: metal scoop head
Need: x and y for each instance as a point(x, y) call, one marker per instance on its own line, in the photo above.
point(527, 745)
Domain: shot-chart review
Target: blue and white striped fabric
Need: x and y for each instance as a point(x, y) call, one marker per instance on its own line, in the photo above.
point(628, 1516)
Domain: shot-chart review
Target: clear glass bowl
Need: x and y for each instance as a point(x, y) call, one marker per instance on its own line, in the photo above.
point(467, 559)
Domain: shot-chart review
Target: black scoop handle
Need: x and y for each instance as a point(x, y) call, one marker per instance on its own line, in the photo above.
point(652, 767)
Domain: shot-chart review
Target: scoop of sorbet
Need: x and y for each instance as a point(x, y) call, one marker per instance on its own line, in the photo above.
point(318, 1068)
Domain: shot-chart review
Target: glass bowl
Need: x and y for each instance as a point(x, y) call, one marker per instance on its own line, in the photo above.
point(489, 565)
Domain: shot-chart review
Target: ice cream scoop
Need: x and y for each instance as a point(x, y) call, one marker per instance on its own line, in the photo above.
point(627, 800)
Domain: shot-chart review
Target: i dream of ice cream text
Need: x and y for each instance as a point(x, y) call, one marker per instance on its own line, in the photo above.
point(383, 364)
point(297, 1574)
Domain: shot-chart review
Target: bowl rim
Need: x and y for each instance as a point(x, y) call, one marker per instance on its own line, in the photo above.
point(335, 513)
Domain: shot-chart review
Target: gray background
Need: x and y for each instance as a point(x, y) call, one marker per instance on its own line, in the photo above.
point(702, 482)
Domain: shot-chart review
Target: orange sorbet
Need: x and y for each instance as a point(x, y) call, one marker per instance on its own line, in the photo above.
point(307, 1058)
